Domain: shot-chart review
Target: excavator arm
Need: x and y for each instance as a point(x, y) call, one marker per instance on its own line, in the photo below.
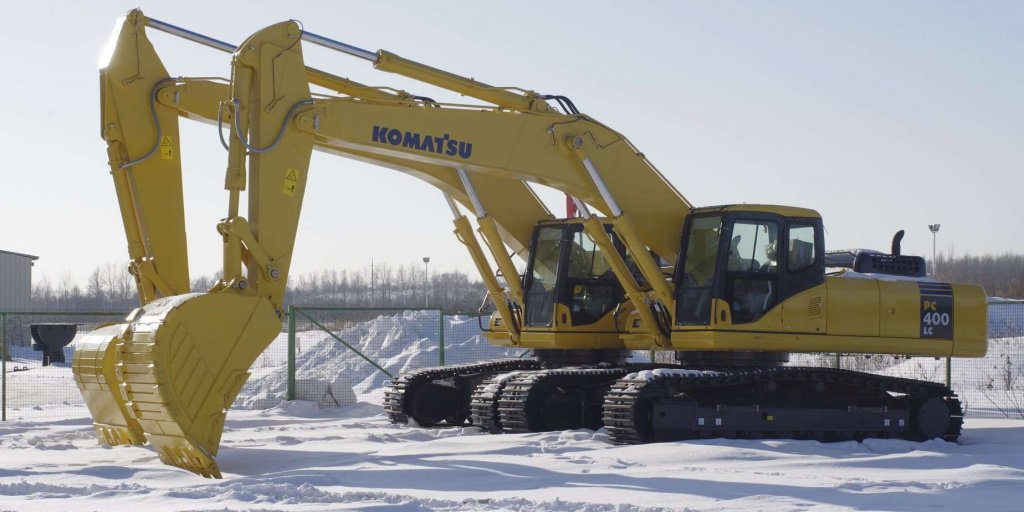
point(169, 374)
point(145, 165)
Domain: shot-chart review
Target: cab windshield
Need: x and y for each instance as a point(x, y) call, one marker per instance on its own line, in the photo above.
point(693, 302)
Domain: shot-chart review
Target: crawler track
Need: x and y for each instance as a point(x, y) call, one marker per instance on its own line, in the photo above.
point(560, 399)
point(793, 403)
point(397, 401)
point(484, 404)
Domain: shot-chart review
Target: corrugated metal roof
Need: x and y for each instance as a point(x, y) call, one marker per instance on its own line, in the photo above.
point(29, 256)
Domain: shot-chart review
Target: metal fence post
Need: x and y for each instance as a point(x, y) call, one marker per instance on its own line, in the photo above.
point(291, 352)
point(440, 352)
point(3, 357)
point(837, 364)
point(949, 372)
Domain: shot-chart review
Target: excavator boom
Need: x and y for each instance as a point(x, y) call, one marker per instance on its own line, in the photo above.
point(655, 210)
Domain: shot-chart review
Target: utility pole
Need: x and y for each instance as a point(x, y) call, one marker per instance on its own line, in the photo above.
point(426, 281)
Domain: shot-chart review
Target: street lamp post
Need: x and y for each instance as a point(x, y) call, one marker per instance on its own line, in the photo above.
point(949, 361)
point(426, 281)
point(935, 230)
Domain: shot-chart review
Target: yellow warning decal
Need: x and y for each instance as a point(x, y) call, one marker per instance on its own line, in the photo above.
point(291, 180)
point(166, 148)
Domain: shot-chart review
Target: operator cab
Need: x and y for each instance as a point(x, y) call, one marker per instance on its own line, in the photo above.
point(568, 280)
point(751, 257)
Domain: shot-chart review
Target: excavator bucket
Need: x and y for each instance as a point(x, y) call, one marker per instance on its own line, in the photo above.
point(184, 361)
point(172, 371)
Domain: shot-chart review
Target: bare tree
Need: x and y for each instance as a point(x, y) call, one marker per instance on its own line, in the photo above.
point(1003, 387)
point(111, 287)
point(94, 289)
point(1001, 276)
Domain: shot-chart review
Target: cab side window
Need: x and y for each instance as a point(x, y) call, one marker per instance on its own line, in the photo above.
point(801, 247)
point(753, 246)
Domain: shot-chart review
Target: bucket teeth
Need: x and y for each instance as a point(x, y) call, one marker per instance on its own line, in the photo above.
point(114, 435)
point(172, 373)
point(179, 452)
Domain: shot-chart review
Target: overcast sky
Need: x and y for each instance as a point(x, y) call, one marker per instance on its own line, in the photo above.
point(880, 115)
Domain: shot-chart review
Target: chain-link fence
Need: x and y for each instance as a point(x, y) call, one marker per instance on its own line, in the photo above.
point(28, 388)
point(991, 386)
point(337, 356)
point(344, 355)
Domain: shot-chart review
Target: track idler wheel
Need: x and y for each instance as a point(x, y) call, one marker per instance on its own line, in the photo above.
point(434, 402)
point(931, 418)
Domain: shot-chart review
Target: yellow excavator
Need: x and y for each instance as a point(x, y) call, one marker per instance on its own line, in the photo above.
point(731, 289)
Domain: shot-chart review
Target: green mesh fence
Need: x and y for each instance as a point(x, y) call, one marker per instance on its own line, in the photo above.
point(990, 386)
point(336, 356)
point(993, 386)
point(29, 389)
point(344, 355)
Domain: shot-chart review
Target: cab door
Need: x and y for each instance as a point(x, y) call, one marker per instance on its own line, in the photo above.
point(803, 296)
point(697, 272)
point(588, 287)
point(569, 281)
point(542, 275)
point(751, 274)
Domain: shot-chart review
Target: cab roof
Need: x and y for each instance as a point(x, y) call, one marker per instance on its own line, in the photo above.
point(785, 211)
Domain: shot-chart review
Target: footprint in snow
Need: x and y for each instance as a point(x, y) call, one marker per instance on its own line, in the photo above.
point(578, 459)
point(624, 464)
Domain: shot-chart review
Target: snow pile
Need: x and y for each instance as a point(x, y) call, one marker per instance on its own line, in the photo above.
point(331, 374)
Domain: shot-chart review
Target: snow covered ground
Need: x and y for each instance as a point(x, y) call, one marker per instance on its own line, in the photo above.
point(312, 454)
point(299, 457)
